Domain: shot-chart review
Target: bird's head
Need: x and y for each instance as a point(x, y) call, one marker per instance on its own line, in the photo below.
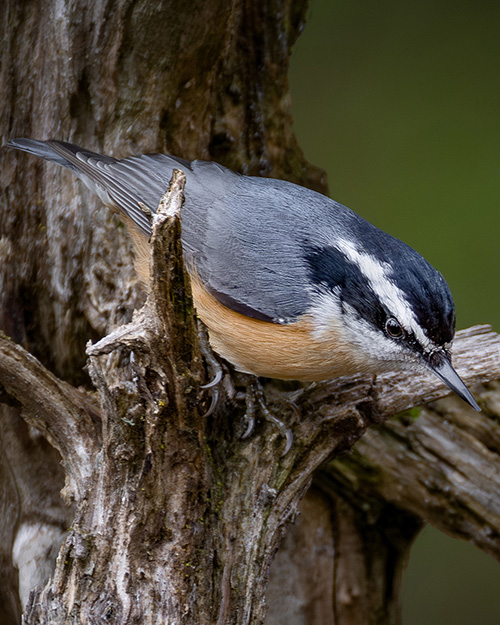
point(388, 302)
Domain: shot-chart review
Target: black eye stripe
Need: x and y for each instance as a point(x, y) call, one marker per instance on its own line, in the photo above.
point(330, 268)
point(425, 292)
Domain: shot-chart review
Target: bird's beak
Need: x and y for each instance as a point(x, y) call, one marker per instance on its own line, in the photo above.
point(446, 373)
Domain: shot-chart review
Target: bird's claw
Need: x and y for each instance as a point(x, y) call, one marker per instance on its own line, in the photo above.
point(214, 402)
point(250, 426)
point(215, 368)
point(249, 415)
point(255, 398)
point(219, 374)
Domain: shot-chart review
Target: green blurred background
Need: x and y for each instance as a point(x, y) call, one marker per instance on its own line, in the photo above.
point(400, 103)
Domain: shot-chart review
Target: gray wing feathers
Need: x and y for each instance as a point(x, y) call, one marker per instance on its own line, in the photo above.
point(254, 230)
point(243, 235)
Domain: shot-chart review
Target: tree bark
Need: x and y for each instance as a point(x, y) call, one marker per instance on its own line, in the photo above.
point(171, 516)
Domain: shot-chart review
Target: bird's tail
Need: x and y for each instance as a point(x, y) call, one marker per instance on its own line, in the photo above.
point(121, 184)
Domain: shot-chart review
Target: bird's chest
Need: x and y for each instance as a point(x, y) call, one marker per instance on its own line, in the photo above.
point(286, 352)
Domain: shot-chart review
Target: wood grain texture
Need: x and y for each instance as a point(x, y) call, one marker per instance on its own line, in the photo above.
point(440, 463)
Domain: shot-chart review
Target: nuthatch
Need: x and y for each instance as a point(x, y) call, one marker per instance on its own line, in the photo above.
point(289, 283)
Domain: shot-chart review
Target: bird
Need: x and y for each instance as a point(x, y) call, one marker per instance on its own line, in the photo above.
point(290, 284)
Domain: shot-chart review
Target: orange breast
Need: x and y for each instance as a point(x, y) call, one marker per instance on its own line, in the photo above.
point(286, 352)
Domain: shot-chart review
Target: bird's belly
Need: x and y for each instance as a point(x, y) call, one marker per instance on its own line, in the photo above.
point(286, 352)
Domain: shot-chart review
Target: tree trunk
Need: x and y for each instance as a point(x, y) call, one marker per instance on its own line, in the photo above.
point(173, 517)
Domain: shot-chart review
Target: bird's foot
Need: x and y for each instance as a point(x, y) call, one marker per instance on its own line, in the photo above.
point(256, 401)
point(215, 369)
point(254, 397)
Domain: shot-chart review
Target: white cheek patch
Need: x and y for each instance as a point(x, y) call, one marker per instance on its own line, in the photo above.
point(377, 274)
point(361, 335)
point(326, 311)
point(373, 342)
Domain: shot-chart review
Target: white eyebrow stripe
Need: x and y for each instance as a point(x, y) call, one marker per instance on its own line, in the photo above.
point(385, 288)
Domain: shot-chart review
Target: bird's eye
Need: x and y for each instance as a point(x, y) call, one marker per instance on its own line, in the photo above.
point(393, 328)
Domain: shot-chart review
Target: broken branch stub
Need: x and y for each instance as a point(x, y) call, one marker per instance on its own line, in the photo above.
point(139, 523)
point(67, 417)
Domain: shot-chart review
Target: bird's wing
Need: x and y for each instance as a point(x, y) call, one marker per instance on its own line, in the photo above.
point(243, 235)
